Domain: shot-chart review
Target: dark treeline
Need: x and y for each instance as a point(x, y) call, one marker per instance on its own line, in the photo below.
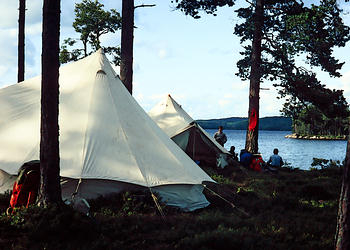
point(278, 123)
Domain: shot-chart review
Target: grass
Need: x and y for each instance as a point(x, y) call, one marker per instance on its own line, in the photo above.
point(294, 209)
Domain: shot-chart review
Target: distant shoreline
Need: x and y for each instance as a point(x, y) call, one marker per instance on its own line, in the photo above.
point(236, 129)
point(316, 137)
point(273, 123)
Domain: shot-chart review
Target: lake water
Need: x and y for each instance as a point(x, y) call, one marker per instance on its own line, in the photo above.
point(298, 153)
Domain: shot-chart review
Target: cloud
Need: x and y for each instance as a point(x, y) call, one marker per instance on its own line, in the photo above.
point(158, 96)
point(224, 102)
point(8, 53)
point(162, 53)
point(8, 14)
point(345, 79)
point(111, 39)
point(220, 51)
point(344, 84)
point(159, 49)
point(34, 11)
point(3, 70)
point(345, 16)
point(269, 104)
point(139, 97)
point(33, 29)
point(147, 102)
point(30, 52)
point(240, 86)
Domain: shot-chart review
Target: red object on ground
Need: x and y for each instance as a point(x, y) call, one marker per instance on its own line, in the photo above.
point(14, 202)
point(256, 163)
point(253, 120)
point(25, 194)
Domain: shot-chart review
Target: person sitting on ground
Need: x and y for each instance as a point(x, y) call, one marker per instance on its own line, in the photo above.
point(245, 158)
point(220, 136)
point(234, 154)
point(275, 160)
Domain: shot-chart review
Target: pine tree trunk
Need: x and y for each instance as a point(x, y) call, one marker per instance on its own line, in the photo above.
point(255, 75)
point(21, 36)
point(342, 236)
point(85, 49)
point(127, 40)
point(50, 189)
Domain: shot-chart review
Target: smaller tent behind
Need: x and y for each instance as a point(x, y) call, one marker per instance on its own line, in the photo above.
point(187, 133)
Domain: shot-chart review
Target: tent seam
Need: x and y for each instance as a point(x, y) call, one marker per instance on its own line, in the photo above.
point(124, 134)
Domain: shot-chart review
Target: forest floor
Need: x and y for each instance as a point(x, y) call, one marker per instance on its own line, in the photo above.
point(291, 209)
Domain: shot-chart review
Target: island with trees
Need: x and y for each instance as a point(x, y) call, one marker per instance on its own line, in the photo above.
point(310, 122)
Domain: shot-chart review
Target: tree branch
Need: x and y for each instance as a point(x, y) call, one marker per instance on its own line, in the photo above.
point(252, 4)
point(144, 5)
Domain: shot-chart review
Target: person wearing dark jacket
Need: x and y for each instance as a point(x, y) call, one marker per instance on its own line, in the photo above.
point(234, 154)
point(245, 158)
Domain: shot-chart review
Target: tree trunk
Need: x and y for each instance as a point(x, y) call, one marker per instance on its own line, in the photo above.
point(50, 189)
point(255, 76)
point(21, 25)
point(342, 235)
point(127, 40)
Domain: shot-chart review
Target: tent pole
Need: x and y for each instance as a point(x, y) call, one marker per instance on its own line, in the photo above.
point(155, 199)
point(76, 189)
point(232, 205)
point(194, 143)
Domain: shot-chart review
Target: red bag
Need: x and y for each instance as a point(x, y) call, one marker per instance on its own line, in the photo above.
point(257, 163)
point(25, 188)
point(14, 202)
point(25, 194)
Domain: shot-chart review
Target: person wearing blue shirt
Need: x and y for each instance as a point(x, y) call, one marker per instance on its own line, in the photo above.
point(245, 158)
point(275, 160)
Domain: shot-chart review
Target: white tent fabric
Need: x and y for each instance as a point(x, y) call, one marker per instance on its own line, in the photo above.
point(173, 120)
point(170, 116)
point(176, 123)
point(6, 181)
point(105, 136)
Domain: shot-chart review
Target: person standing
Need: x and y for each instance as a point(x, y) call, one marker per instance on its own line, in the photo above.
point(275, 160)
point(220, 136)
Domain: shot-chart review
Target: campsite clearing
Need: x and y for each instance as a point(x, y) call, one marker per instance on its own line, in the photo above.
point(294, 209)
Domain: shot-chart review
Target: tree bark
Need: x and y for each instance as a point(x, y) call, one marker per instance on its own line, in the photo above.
point(85, 48)
point(127, 41)
point(255, 76)
point(342, 235)
point(21, 37)
point(50, 189)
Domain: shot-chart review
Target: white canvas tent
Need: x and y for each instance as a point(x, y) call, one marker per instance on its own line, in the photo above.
point(108, 143)
point(187, 134)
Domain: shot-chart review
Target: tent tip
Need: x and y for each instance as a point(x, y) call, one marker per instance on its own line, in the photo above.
point(100, 51)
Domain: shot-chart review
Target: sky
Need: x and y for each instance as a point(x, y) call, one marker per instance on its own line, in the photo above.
point(194, 60)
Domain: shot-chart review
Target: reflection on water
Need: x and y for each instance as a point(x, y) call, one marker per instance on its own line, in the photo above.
point(298, 153)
